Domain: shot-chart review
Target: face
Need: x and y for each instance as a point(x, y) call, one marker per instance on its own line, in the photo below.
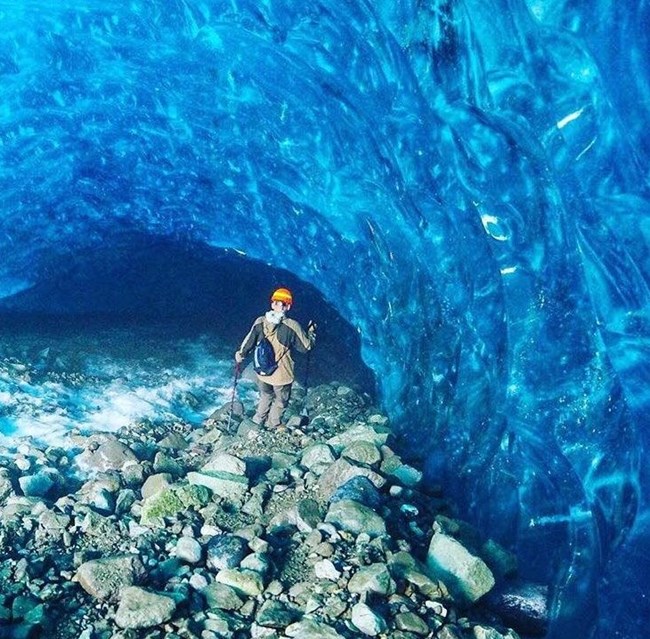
point(280, 307)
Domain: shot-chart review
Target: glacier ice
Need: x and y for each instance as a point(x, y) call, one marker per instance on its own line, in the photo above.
point(466, 181)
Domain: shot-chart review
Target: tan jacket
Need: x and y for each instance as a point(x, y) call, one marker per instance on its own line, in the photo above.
point(284, 337)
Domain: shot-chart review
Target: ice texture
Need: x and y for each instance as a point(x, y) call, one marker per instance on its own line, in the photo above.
point(467, 181)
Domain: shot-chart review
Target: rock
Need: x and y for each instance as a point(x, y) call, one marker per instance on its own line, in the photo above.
point(226, 485)
point(221, 596)
point(466, 575)
point(245, 582)
point(325, 569)
point(173, 441)
point(189, 550)
point(373, 578)
point(37, 485)
point(355, 518)
point(175, 499)
point(501, 562)
point(340, 472)
point(367, 621)
point(522, 606)
point(362, 452)
point(155, 484)
point(274, 614)
point(225, 463)
point(225, 551)
point(110, 455)
point(359, 432)
point(359, 489)
point(307, 515)
point(317, 458)
point(104, 578)
point(311, 629)
point(410, 622)
point(163, 463)
point(140, 608)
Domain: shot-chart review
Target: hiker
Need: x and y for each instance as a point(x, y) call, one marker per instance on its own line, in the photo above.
point(274, 382)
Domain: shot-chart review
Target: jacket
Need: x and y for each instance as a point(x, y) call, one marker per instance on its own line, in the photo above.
point(284, 337)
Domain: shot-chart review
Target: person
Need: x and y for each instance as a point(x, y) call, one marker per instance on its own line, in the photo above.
point(286, 336)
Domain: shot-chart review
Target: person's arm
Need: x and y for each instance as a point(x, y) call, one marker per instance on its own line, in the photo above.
point(249, 342)
point(304, 340)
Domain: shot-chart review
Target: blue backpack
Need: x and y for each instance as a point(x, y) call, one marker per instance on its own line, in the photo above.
point(264, 362)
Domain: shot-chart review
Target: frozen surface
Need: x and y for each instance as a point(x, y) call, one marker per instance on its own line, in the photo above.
point(467, 182)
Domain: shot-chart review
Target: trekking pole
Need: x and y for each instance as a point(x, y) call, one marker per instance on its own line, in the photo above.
point(232, 398)
point(304, 413)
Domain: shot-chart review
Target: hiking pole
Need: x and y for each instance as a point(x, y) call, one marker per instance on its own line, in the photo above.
point(232, 399)
point(303, 413)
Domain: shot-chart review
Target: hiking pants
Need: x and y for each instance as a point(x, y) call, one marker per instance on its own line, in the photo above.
point(273, 400)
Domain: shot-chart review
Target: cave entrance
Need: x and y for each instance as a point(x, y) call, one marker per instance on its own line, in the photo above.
point(173, 289)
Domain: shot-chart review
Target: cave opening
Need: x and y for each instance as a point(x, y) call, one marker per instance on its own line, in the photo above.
point(153, 303)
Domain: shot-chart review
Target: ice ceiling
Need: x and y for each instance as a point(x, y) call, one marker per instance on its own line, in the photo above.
point(467, 181)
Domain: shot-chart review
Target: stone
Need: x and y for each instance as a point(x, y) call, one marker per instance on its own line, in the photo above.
point(359, 432)
point(244, 582)
point(140, 608)
point(359, 489)
point(355, 518)
point(104, 578)
point(110, 455)
point(274, 614)
point(522, 606)
point(225, 551)
point(311, 629)
point(362, 452)
point(317, 458)
point(36, 485)
point(466, 575)
point(410, 622)
point(307, 515)
point(175, 499)
point(340, 472)
point(325, 569)
point(367, 621)
point(500, 561)
point(225, 463)
point(222, 596)
point(189, 550)
point(226, 485)
point(372, 578)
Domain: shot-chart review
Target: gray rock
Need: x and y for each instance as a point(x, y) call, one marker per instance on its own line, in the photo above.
point(275, 614)
point(189, 550)
point(355, 518)
point(307, 515)
point(410, 622)
point(227, 485)
point(366, 620)
point(359, 489)
point(362, 452)
point(373, 578)
point(104, 578)
point(110, 455)
point(317, 458)
point(225, 551)
point(245, 582)
point(225, 463)
point(359, 432)
point(155, 484)
point(36, 485)
point(340, 472)
point(311, 629)
point(222, 597)
point(466, 575)
point(523, 606)
point(140, 608)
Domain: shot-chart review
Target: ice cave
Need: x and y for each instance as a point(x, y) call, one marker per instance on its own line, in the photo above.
point(460, 186)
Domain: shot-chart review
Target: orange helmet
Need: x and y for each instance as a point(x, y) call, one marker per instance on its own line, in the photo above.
point(282, 295)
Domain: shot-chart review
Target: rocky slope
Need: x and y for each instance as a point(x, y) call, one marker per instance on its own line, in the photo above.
point(232, 531)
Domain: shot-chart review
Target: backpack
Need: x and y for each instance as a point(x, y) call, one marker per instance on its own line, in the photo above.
point(264, 362)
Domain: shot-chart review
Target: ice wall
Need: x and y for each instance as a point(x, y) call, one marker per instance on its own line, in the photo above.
point(467, 181)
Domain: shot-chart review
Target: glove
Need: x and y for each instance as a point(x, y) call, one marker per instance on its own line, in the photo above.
point(311, 330)
point(238, 357)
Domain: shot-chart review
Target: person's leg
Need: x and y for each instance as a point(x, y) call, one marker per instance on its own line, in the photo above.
point(264, 402)
point(280, 401)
